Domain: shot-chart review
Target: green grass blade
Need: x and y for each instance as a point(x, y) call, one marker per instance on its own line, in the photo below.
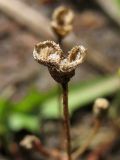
point(82, 94)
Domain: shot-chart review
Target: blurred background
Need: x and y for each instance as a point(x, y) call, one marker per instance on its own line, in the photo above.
point(28, 94)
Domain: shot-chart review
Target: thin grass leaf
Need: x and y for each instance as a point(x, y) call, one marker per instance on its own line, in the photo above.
point(18, 121)
point(33, 100)
point(82, 94)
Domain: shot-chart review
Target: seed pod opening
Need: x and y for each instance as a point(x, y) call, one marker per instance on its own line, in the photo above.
point(47, 53)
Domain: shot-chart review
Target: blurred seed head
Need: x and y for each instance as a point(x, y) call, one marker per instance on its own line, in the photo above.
point(62, 21)
point(100, 107)
point(28, 141)
point(50, 54)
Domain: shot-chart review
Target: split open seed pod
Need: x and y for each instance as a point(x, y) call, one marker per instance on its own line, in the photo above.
point(61, 68)
point(62, 21)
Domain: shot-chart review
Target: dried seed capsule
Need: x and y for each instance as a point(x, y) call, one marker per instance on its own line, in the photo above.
point(100, 107)
point(62, 21)
point(28, 141)
point(61, 69)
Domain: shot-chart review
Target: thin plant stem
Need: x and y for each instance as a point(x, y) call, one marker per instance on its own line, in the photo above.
point(59, 40)
point(50, 154)
point(66, 120)
point(83, 148)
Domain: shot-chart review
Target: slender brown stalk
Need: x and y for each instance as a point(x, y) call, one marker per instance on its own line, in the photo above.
point(83, 148)
point(54, 154)
point(32, 142)
point(66, 120)
point(59, 40)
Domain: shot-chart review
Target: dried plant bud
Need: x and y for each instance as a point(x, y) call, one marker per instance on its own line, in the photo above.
point(28, 141)
point(63, 15)
point(100, 107)
point(62, 21)
point(61, 69)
